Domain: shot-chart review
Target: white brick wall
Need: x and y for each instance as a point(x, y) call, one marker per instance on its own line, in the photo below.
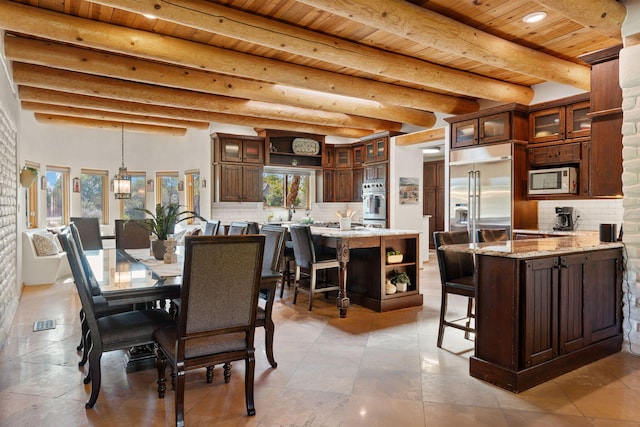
point(8, 217)
point(630, 83)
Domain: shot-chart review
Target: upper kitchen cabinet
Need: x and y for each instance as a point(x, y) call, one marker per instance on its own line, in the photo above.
point(286, 148)
point(605, 164)
point(343, 157)
point(566, 118)
point(238, 166)
point(358, 155)
point(499, 124)
point(238, 148)
point(376, 147)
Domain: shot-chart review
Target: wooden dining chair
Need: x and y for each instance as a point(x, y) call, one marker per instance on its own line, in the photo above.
point(217, 316)
point(456, 277)
point(211, 227)
point(308, 264)
point(492, 235)
point(100, 305)
point(109, 332)
point(89, 231)
point(275, 237)
point(131, 235)
point(238, 228)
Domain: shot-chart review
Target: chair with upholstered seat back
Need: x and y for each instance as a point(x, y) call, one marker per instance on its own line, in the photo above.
point(275, 237)
point(492, 235)
point(309, 264)
point(217, 316)
point(211, 227)
point(237, 228)
point(456, 277)
point(130, 234)
point(109, 332)
point(89, 231)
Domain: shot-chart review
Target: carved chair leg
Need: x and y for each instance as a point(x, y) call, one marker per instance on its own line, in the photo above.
point(179, 398)
point(250, 367)
point(95, 376)
point(86, 339)
point(227, 372)
point(210, 374)
point(161, 365)
point(81, 345)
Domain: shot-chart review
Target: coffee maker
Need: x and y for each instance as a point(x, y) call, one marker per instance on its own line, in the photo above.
point(564, 219)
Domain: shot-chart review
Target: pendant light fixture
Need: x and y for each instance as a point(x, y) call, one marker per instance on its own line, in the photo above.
point(122, 180)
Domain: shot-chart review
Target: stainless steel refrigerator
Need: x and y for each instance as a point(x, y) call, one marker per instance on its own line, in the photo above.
point(486, 189)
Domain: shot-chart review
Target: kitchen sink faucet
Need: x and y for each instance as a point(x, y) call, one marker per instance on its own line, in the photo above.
point(291, 211)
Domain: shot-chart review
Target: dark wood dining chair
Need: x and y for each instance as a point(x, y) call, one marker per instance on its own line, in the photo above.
point(130, 234)
point(100, 305)
point(89, 230)
point(308, 264)
point(211, 227)
point(275, 237)
point(109, 332)
point(456, 277)
point(492, 235)
point(238, 228)
point(217, 316)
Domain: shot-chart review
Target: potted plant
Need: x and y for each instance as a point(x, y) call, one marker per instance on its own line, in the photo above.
point(401, 280)
point(163, 222)
point(28, 175)
point(393, 256)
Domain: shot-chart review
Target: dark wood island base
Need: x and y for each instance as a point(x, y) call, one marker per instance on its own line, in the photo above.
point(544, 307)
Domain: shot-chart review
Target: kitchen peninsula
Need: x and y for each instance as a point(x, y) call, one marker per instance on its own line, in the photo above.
point(364, 270)
point(544, 307)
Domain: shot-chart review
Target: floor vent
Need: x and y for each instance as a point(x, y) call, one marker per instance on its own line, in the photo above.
point(42, 325)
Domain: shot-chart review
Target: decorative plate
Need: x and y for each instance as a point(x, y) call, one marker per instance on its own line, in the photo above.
point(305, 146)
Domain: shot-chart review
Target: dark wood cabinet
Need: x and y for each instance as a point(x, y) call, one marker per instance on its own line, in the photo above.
point(358, 179)
point(358, 155)
point(605, 166)
point(560, 120)
point(293, 149)
point(240, 183)
point(555, 154)
point(493, 125)
point(378, 171)
point(342, 185)
point(328, 156)
point(328, 194)
point(375, 150)
point(238, 166)
point(554, 314)
point(433, 195)
point(343, 157)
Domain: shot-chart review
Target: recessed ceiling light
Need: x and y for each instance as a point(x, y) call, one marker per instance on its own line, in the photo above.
point(534, 17)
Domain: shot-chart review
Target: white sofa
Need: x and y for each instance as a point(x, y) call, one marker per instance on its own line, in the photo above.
point(40, 270)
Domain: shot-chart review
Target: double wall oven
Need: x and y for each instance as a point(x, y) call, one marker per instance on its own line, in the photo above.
point(374, 203)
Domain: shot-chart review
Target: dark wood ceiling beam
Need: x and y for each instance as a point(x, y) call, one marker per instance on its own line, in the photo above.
point(603, 16)
point(60, 110)
point(54, 119)
point(70, 58)
point(83, 32)
point(429, 28)
point(105, 87)
point(217, 19)
point(27, 93)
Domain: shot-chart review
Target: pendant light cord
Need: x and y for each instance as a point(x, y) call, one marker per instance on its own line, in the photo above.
point(122, 140)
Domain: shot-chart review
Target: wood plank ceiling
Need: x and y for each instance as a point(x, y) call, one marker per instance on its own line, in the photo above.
point(331, 67)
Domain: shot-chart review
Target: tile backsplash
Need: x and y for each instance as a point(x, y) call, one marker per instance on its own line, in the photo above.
point(590, 213)
point(320, 212)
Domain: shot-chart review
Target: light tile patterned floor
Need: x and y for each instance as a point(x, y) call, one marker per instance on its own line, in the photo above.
point(370, 369)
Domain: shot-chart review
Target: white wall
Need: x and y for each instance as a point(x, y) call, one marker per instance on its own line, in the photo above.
point(78, 147)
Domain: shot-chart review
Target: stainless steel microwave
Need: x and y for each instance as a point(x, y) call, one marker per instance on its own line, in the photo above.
point(553, 181)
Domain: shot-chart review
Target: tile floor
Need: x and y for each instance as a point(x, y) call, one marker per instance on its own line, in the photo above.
point(370, 369)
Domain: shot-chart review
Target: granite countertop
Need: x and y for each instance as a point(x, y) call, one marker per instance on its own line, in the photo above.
point(531, 248)
point(359, 232)
point(559, 232)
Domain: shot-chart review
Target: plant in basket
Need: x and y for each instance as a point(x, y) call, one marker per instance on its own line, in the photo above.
point(393, 256)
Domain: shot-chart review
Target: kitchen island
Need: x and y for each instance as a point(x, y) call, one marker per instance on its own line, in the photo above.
point(364, 270)
point(544, 307)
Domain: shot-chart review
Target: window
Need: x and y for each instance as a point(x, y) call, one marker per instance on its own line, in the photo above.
point(93, 194)
point(167, 188)
point(192, 179)
point(138, 196)
point(281, 188)
point(32, 198)
point(57, 187)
